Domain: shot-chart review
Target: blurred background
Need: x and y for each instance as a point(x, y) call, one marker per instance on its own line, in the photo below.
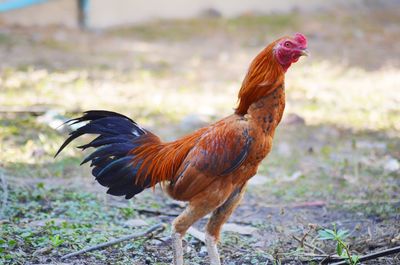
point(174, 67)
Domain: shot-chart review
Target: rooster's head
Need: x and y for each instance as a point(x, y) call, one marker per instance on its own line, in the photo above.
point(288, 50)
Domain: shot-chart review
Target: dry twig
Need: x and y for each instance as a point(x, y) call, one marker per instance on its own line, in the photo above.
point(155, 212)
point(156, 229)
point(308, 257)
point(375, 255)
point(143, 210)
point(302, 241)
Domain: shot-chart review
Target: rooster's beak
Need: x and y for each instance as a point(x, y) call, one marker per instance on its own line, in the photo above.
point(305, 52)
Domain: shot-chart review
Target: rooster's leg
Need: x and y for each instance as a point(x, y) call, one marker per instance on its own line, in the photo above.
point(177, 248)
point(182, 223)
point(198, 207)
point(217, 219)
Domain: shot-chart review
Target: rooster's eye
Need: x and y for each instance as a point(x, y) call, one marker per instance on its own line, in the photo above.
point(287, 44)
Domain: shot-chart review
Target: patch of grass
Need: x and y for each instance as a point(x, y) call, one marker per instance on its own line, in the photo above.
point(374, 210)
point(42, 221)
point(180, 30)
point(6, 40)
point(346, 97)
point(341, 167)
point(57, 45)
point(28, 147)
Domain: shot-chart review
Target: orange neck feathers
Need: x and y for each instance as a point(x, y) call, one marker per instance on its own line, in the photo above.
point(264, 76)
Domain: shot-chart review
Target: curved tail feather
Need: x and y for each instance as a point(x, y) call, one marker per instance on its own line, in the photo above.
point(112, 162)
point(128, 159)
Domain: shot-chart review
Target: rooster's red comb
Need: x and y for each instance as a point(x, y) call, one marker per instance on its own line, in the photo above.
point(301, 39)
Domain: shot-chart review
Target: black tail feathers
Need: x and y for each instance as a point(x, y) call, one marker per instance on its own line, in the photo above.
point(112, 160)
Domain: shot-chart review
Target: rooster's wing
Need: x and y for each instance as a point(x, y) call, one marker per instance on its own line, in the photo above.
point(219, 152)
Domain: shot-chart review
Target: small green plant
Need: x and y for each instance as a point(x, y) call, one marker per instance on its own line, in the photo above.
point(127, 212)
point(341, 247)
point(56, 241)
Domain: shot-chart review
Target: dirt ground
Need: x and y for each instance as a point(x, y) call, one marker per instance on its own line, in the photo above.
point(336, 155)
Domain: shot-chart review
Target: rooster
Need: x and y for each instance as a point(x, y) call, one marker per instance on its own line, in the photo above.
point(208, 168)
